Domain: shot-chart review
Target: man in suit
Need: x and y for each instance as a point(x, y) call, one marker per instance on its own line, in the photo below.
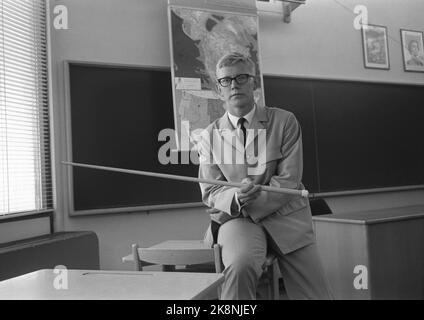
point(247, 221)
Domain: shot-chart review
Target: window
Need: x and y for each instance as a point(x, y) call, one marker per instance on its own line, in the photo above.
point(25, 170)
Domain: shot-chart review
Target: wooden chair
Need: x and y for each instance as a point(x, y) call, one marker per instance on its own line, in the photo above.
point(170, 254)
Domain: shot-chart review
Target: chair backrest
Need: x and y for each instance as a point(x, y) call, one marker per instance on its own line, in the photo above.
point(174, 253)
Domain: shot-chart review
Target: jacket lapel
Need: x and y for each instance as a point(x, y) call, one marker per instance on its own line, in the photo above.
point(259, 121)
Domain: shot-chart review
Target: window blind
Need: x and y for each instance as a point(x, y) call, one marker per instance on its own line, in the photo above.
point(25, 166)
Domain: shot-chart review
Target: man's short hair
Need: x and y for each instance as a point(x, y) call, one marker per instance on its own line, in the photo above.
point(410, 45)
point(233, 58)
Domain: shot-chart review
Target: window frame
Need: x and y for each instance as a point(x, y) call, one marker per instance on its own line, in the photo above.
point(46, 156)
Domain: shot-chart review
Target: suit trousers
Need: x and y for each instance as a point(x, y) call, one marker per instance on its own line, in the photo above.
point(244, 246)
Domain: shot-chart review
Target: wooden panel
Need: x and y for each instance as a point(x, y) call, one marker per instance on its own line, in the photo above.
point(397, 259)
point(341, 248)
point(376, 216)
point(390, 243)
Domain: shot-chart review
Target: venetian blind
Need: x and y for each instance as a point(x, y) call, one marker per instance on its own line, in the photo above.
point(25, 170)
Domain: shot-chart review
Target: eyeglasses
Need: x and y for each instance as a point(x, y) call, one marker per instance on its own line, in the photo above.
point(240, 79)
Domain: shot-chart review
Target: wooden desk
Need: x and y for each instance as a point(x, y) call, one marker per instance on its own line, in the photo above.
point(116, 285)
point(389, 242)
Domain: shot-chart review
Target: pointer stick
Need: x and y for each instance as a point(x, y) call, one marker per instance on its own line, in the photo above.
point(302, 193)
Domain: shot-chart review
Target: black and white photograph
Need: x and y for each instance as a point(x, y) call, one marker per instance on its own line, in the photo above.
point(211, 158)
point(375, 46)
point(412, 50)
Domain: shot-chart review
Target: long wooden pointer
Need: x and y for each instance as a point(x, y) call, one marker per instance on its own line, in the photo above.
point(302, 193)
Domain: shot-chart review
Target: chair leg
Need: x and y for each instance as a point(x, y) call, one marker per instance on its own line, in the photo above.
point(274, 282)
point(136, 257)
point(217, 256)
point(270, 286)
point(218, 265)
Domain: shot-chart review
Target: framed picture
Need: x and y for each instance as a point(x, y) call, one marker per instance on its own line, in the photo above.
point(412, 50)
point(375, 47)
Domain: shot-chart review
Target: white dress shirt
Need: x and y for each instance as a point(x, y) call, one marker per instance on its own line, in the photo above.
point(234, 121)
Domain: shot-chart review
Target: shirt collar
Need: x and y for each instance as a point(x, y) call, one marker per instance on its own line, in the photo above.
point(234, 120)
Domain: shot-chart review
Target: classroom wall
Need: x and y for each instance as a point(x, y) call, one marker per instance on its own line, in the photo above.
point(131, 32)
point(321, 40)
point(135, 32)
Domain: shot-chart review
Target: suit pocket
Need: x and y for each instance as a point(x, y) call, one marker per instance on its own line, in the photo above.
point(293, 206)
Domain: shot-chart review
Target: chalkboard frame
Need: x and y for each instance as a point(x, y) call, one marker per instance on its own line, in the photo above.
point(69, 157)
point(352, 192)
point(146, 208)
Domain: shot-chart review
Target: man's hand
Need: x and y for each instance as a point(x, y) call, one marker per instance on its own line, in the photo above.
point(248, 193)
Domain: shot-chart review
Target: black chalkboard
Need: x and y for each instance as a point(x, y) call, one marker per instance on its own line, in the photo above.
point(369, 135)
point(116, 117)
point(297, 96)
point(356, 135)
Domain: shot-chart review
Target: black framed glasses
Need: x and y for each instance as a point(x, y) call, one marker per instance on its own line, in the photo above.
point(240, 79)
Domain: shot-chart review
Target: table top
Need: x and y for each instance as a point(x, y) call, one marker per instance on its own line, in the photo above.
point(110, 285)
point(182, 244)
point(375, 216)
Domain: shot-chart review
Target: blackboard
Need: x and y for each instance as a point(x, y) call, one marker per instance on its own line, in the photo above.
point(296, 96)
point(116, 116)
point(356, 135)
point(369, 135)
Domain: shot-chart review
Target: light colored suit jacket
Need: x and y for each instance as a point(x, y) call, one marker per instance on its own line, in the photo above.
point(286, 218)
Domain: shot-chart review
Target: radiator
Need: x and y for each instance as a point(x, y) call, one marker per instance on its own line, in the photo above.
point(74, 250)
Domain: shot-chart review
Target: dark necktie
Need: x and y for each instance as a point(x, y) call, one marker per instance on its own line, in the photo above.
point(241, 122)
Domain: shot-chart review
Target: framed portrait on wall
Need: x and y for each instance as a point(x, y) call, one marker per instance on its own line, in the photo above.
point(412, 50)
point(375, 47)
